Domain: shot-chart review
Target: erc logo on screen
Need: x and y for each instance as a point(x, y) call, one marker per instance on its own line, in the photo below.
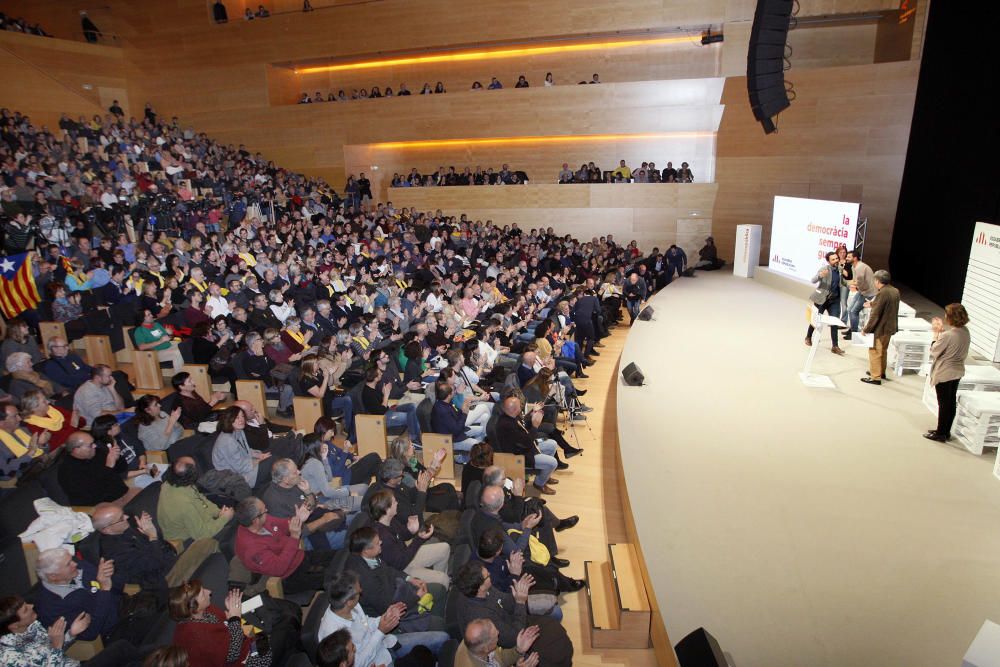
point(987, 240)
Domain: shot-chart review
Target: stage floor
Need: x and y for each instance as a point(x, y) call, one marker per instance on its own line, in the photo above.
point(799, 526)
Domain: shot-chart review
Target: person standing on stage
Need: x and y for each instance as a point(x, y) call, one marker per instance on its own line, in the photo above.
point(827, 297)
point(862, 289)
point(883, 323)
point(948, 353)
point(635, 292)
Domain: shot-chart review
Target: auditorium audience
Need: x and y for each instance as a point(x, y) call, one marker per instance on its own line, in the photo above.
point(646, 173)
point(20, 25)
point(449, 177)
point(363, 289)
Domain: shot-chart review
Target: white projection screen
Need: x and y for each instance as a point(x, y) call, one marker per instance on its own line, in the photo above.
point(804, 230)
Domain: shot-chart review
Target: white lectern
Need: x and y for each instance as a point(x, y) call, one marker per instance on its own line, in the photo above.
point(746, 256)
point(820, 323)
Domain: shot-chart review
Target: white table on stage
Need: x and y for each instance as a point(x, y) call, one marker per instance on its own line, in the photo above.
point(913, 324)
point(820, 323)
point(976, 378)
point(910, 350)
point(906, 310)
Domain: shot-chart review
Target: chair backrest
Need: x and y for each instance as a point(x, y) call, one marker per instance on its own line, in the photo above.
point(446, 656)
point(472, 495)
point(237, 362)
point(310, 627)
point(465, 534)
point(186, 348)
point(360, 520)
point(355, 395)
point(424, 409)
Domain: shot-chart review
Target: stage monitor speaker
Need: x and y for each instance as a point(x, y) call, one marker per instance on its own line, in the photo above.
point(700, 649)
point(633, 376)
point(646, 314)
point(766, 61)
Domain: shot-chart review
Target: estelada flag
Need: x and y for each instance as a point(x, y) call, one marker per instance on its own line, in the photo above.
point(18, 291)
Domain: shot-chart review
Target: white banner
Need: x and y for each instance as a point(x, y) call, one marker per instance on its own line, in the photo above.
point(746, 256)
point(804, 230)
point(981, 296)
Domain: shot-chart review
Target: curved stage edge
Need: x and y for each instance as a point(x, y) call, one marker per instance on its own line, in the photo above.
point(798, 526)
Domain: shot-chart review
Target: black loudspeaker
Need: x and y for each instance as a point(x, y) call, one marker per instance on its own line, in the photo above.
point(699, 649)
point(633, 376)
point(766, 61)
point(646, 314)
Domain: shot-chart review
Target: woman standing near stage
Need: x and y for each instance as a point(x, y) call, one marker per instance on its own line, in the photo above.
point(846, 276)
point(948, 353)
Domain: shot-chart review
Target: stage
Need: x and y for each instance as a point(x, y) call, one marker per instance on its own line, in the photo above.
point(799, 526)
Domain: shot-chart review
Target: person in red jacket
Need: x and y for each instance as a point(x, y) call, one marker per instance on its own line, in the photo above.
point(272, 547)
point(212, 637)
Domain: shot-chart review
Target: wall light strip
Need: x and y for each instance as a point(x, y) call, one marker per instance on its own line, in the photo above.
point(508, 141)
point(492, 54)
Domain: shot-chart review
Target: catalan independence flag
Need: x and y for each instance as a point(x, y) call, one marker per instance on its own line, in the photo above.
point(18, 291)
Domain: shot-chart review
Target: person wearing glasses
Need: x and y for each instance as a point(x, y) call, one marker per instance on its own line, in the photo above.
point(88, 479)
point(142, 557)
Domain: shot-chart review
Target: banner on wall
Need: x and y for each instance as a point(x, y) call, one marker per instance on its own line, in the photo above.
point(804, 230)
point(981, 297)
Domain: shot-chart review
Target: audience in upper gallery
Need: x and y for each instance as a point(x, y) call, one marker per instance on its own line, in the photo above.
point(20, 25)
point(450, 176)
point(439, 88)
point(647, 173)
point(373, 289)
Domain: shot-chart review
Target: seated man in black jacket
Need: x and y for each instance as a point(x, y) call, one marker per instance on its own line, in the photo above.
point(411, 501)
point(142, 558)
point(89, 479)
point(514, 437)
point(70, 370)
point(383, 585)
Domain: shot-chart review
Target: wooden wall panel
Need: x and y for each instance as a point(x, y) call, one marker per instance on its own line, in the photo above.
point(46, 77)
point(846, 133)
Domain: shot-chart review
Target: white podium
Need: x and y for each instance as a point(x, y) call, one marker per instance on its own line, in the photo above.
point(746, 256)
point(820, 323)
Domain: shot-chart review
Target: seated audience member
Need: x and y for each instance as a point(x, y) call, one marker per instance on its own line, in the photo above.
point(157, 429)
point(183, 511)
point(25, 641)
point(684, 174)
point(522, 82)
point(441, 497)
point(383, 586)
point(514, 507)
point(480, 458)
point(63, 367)
point(708, 257)
point(19, 339)
point(133, 544)
point(514, 437)
point(24, 378)
point(232, 451)
point(517, 536)
point(419, 558)
point(19, 447)
point(375, 400)
point(259, 366)
point(131, 456)
point(449, 420)
point(372, 636)
point(508, 612)
point(40, 416)
point(288, 491)
point(269, 546)
point(151, 335)
point(70, 588)
point(194, 408)
point(330, 491)
point(480, 647)
point(212, 636)
point(504, 572)
point(412, 499)
point(318, 383)
point(263, 436)
point(344, 463)
point(89, 479)
point(98, 396)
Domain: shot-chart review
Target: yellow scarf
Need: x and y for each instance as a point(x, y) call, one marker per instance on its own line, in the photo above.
point(17, 442)
point(297, 337)
point(362, 341)
point(402, 284)
point(53, 421)
point(248, 258)
point(201, 287)
point(158, 277)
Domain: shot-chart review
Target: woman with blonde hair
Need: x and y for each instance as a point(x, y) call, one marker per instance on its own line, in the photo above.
point(39, 416)
point(948, 353)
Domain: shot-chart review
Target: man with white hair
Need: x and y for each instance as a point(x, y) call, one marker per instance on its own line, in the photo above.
point(70, 588)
